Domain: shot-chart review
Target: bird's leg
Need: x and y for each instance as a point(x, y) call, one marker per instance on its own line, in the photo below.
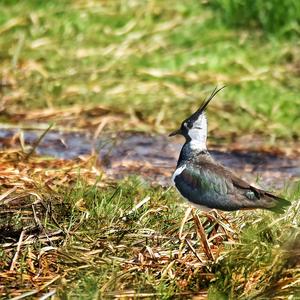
point(202, 235)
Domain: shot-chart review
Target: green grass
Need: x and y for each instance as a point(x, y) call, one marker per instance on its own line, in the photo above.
point(149, 61)
point(272, 16)
point(106, 249)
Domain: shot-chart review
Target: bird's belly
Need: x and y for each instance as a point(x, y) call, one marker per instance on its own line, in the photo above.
point(205, 201)
point(195, 204)
point(199, 206)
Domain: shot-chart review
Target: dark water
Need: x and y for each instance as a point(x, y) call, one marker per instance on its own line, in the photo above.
point(153, 157)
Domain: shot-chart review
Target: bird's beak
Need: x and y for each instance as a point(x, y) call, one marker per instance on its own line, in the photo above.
point(178, 131)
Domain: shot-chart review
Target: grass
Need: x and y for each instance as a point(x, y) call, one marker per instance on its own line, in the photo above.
point(149, 62)
point(85, 237)
point(65, 228)
point(272, 17)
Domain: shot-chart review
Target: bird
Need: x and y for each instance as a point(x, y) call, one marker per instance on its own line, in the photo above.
point(207, 184)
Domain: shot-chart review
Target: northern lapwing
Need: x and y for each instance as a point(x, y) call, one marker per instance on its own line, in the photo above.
point(207, 184)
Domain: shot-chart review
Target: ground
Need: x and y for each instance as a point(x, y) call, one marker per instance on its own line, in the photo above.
point(68, 229)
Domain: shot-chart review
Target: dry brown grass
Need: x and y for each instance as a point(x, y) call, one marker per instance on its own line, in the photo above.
point(51, 239)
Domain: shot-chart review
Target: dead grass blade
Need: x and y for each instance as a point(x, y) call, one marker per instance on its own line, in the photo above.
point(202, 236)
point(37, 142)
point(13, 263)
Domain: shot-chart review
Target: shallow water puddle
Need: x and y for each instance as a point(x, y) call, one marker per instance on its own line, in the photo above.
point(153, 157)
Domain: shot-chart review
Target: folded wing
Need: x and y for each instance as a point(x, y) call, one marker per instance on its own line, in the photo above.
point(214, 186)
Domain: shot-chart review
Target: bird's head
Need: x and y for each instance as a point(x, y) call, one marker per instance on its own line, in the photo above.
point(195, 126)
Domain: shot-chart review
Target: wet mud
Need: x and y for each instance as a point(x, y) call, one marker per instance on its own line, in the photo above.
point(153, 157)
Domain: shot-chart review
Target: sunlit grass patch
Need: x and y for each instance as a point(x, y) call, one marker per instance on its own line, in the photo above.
point(152, 62)
point(67, 229)
point(80, 235)
point(280, 18)
point(265, 262)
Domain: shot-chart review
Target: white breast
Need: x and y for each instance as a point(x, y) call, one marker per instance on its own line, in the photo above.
point(177, 172)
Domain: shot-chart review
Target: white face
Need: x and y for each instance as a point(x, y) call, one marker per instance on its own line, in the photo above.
point(198, 133)
point(199, 128)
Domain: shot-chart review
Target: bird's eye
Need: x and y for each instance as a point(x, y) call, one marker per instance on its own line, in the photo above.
point(189, 125)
